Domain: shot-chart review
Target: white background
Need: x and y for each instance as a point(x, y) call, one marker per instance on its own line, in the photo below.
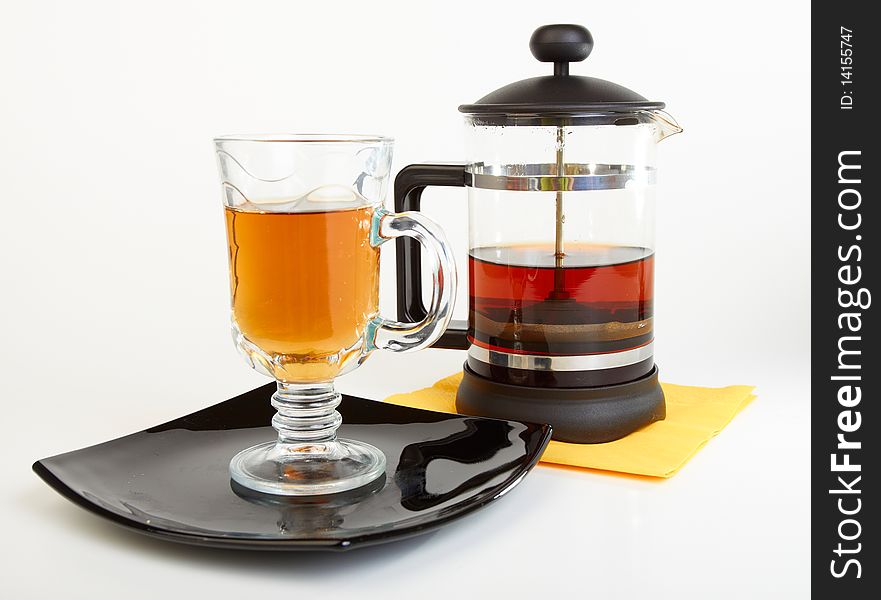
point(113, 295)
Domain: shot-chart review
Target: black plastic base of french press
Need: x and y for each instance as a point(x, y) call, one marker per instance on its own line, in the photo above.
point(579, 415)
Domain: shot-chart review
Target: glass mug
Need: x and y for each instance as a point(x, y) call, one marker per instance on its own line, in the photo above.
point(304, 223)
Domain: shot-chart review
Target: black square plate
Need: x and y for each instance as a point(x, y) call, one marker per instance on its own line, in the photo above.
point(172, 481)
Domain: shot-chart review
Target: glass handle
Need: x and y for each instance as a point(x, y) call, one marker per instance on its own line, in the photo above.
point(406, 337)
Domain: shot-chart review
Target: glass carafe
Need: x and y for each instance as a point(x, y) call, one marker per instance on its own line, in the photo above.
point(561, 248)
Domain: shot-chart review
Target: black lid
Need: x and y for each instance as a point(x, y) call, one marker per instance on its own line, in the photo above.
point(560, 93)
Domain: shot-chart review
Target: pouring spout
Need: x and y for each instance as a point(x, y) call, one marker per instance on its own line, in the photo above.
point(667, 125)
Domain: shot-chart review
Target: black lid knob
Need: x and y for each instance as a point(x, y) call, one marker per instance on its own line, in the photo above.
point(561, 44)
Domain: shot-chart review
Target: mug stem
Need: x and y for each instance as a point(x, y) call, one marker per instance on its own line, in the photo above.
point(306, 414)
point(307, 459)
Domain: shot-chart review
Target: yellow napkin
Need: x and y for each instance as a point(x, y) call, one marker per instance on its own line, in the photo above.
point(694, 415)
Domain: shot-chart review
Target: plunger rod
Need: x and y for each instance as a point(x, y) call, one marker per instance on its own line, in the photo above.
point(558, 236)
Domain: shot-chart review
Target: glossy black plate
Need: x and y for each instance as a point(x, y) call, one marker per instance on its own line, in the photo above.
point(172, 482)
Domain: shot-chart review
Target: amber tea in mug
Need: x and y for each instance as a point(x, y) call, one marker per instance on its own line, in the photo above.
point(303, 286)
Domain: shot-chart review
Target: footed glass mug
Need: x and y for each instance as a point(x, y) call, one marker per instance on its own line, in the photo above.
point(304, 223)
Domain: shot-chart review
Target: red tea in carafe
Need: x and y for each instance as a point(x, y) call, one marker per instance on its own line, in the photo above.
point(599, 300)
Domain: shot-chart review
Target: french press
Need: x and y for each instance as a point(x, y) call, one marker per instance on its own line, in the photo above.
point(561, 193)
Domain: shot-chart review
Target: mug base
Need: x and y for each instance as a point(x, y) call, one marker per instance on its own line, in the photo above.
point(304, 469)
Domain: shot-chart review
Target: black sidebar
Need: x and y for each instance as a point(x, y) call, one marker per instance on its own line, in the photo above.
point(845, 371)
